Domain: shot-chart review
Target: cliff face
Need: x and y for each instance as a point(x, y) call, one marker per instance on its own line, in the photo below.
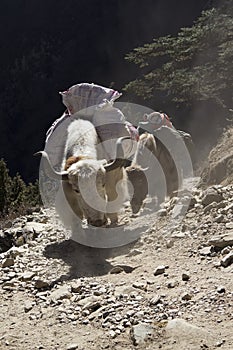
point(219, 168)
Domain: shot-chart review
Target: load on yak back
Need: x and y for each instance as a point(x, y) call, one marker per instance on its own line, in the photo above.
point(95, 103)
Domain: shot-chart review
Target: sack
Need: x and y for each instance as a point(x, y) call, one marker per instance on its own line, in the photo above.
point(110, 124)
point(94, 103)
point(81, 97)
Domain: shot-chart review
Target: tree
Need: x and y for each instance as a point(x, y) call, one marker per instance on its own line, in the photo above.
point(4, 183)
point(15, 195)
point(195, 65)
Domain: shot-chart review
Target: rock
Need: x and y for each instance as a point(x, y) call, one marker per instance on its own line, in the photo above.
point(219, 218)
point(140, 332)
point(162, 212)
point(206, 250)
point(186, 297)
point(179, 210)
point(209, 207)
point(155, 300)
point(27, 276)
point(185, 276)
point(72, 346)
point(222, 241)
point(39, 284)
point(8, 262)
point(226, 250)
point(229, 225)
point(184, 333)
point(221, 289)
point(35, 227)
point(192, 203)
point(159, 270)
point(20, 241)
point(116, 269)
point(172, 284)
point(92, 305)
point(179, 235)
point(76, 287)
point(170, 243)
point(227, 259)
point(61, 293)
point(191, 215)
point(112, 334)
point(28, 306)
point(16, 251)
point(140, 285)
point(134, 252)
point(90, 302)
point(211, 195)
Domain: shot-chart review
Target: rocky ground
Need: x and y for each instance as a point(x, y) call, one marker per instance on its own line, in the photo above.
point(171, 289)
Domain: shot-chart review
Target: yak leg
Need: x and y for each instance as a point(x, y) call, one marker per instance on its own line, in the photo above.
point(116, 189)
point(68, 212)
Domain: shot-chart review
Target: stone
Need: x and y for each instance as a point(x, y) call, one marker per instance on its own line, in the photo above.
point(219, 218)
point(227, 259)
point(76, 287)
point(179, 235)
point(221, 289)
point(28, 306)
point(86, 303)
point(7, 262)
point(112, 333)
point(183, 332)
point(185, 276)
point(211, 195)
point(73, 346)
point(159, 270)
point(222, 241)
point(62, 292)
point(39, 284)
point(226, 250)
point(206, 250)
point(193, 202)
point(209, 207)
point(20, 241)
point(27, 276)
point(229, 225)
point(37, 227)
point(116, 270)
point(186, 296)
point(170, 243)
point(179, 210)
point(16, 251)
point(172, 284)
point(155, 300)
point(140, 333)
point(162, 212)
point(140, 285)
point(92, 305)
point(134, 252)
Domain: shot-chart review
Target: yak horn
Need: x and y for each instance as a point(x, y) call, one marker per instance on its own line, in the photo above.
point(56, 175)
